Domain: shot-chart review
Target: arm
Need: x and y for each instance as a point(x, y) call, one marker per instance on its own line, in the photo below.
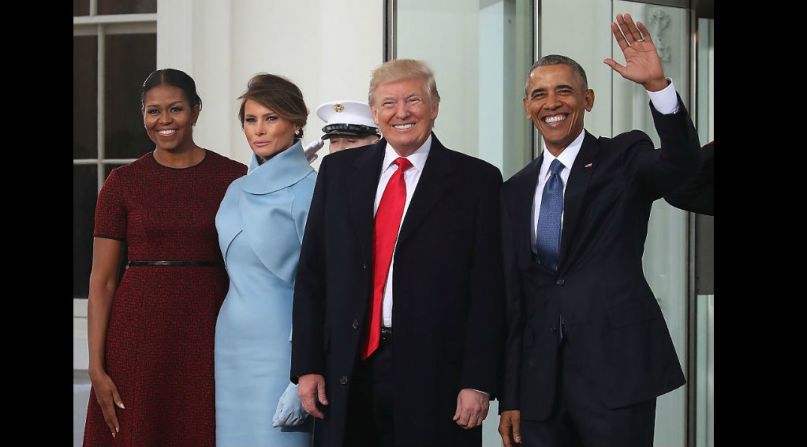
point(308, 312)
point(106, 259)
point(658, 172)
point(483, 325)
point(510, 420)
point(698, 193)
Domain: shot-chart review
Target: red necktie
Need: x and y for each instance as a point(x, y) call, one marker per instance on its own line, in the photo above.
point(385, 233)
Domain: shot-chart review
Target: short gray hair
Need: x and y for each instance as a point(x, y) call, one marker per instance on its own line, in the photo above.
point(557, 59)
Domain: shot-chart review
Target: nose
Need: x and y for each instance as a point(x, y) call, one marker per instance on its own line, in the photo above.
point(165, 117)
point(552, 101)
point(401, 110)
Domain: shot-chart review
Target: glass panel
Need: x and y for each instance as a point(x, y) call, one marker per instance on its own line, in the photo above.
point(85, 93)
point(480, 62)
point(666, 258)
point(81, 7)
point(129, 59)
point(126, 6)
point(85, 193)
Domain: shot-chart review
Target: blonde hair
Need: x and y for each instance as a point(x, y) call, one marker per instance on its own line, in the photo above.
point(400, 69)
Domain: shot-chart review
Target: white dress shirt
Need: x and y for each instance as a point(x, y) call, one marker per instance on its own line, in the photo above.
point(665, 101)
point(411, 178)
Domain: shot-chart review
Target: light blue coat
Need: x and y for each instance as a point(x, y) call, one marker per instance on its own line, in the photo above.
point(260, 225)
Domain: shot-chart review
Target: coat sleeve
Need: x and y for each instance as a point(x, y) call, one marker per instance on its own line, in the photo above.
point(483, 326)
point(308, 310)
point(513, 318)
point(661, 171)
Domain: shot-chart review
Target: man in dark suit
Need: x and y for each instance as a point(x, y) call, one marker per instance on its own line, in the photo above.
point(697, 194)
point(409, 221)
point(587, 349)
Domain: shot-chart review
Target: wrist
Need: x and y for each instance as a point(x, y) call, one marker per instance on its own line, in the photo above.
point(656, 85)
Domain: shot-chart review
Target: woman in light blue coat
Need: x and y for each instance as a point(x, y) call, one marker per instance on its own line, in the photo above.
point(260, 225)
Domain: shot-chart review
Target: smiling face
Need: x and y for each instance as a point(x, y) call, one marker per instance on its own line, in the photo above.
point(267, 133)
point(169, 118)
point(405, 114)
point(556, 102)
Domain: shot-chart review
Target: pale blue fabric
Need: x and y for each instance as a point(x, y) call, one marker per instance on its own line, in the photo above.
point(260, 225)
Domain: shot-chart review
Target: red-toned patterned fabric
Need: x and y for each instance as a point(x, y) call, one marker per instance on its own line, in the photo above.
point(159, 347)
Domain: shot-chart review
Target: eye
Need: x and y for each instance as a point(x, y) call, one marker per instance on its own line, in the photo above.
point(176, 109)
point(271, 118)
point(152, 111)
point(564, 90)
point(413, 100)
point(388, 104)
point(249, 119)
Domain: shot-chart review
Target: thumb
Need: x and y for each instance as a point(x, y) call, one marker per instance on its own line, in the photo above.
point(323, 399)
point(615, 66)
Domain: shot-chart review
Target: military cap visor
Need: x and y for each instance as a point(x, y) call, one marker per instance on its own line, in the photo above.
point(355, 130)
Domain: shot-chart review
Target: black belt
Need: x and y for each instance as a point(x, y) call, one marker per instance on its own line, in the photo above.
point(174, 263)
point(386, 335)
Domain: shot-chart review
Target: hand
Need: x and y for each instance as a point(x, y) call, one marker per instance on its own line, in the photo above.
point(106, 393)
point(510, 427)
point(311, 149)
point(290, 410)
point(311, 387)
point(472, 408)
point(642, 62)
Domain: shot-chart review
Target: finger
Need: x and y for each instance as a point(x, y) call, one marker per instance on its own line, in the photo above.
point(645, 32)
point(620, 39)
point(116, 398)
point(634, 31)
point(111, 419)
point(323, 398)
point(516, 430)
point(504, 432)
point(623, 28)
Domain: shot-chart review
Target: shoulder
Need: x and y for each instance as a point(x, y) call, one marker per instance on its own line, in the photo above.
point(222, 162)
point(625, 140)
point(473, 166)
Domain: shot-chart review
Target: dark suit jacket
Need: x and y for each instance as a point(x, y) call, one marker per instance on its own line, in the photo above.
point(615, 330)
point(447, 288)
point(698, 193)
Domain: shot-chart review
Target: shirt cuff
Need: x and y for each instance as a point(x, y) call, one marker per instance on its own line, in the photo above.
point(665, 100)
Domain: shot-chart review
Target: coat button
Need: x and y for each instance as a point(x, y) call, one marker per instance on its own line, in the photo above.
point(343, 380)
point(560, 282)
point(364, 266)
point(355, 324)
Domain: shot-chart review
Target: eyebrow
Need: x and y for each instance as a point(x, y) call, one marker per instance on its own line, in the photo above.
point(169, 105)
point(543, 89)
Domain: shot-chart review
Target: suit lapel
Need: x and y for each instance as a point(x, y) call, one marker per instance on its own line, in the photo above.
point(363, 186)
point(433, 184)
point(575, 194)
point(523, 211)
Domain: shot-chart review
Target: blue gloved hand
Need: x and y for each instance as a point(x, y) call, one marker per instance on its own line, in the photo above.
point(289, 411)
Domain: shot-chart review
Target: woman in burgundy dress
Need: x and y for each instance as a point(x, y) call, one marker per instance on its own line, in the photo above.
point(151, 335)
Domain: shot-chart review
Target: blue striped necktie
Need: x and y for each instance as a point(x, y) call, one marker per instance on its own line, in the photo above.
point(547, 235)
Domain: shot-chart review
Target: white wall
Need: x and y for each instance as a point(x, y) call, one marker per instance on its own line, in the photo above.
point(324, 47)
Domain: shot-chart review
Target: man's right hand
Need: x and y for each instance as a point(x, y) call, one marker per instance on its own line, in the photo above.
point(311, 387)
point(510, 427)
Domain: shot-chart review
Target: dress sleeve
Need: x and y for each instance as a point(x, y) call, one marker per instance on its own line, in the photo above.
point(110, 209)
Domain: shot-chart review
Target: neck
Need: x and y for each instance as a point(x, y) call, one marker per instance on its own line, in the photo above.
point(179, 159)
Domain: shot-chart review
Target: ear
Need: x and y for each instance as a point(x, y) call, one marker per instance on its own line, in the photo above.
point(374, 112)
point(589, 100)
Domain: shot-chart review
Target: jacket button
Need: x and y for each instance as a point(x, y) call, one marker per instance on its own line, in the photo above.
point(343, 380)
point(364, 266)
point(355, 324)
point(560, 282)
